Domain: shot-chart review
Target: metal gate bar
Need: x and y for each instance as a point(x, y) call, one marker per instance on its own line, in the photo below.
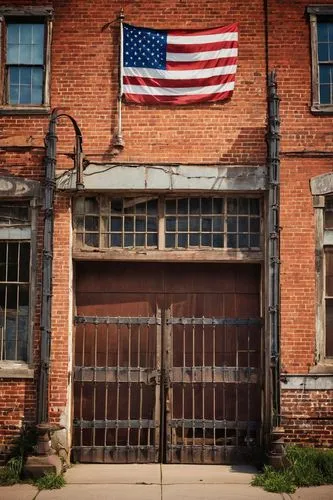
point(116, 374)
point(215, 412)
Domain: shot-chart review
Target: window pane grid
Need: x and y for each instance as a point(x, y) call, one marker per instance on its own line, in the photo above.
point(25, 62)
point(14, 299)
point(203, 223)
point(122, 223)
point(14, 215)
point(212, 223)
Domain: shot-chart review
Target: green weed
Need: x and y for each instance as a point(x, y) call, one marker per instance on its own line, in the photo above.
point(50, 481)
point(307, 467)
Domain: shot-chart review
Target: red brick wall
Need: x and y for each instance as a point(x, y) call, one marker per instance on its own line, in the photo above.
point(84, 84)
point(307, 417)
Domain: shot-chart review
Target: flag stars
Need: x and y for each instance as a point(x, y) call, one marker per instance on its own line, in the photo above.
point(144, 48)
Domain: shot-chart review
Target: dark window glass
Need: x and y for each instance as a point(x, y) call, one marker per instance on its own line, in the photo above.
point(194, 240)
point(91, 223)
point(116, 240)
point(182, 240)
point(183, 206)
point(194, 205)
point(170, 223)
point(206, 205)
point(152, 240)
point(182, 224)
point(14, 299)
point(329, 328)
point(218, 240)
point(25, 62)
point(129, 240)
point(170, 206)
point(206, 240)
point(116, 223)
point(140, 240)
point(170, 239)
point(129, 224)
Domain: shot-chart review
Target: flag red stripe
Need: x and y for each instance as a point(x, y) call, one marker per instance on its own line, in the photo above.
point(166, 82)
point(212, 63)
point(183, 99)
point(201, 47)
point(212, 31)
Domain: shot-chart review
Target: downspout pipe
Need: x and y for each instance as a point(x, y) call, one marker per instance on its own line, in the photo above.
point(273, 137)
point(46, 306)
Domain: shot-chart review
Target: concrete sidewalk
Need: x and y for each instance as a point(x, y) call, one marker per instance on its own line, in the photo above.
point(159, 482)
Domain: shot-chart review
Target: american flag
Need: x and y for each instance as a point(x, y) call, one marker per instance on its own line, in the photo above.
point(179, 66)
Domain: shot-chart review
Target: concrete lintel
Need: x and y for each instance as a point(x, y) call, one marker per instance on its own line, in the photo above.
point(127, 177)
point(12, 187)
point(322, 184)
point(310, 382)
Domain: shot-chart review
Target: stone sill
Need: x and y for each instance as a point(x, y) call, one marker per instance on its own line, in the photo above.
point(27, 110)
point(10, 369)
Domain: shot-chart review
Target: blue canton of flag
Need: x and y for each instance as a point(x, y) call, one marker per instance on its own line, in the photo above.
point(144, 47)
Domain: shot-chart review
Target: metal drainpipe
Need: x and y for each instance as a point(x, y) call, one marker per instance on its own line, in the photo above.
point(274, 241)
point(46, 306)
point(46, 313)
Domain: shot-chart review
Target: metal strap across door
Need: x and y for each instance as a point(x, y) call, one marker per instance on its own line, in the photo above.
point(165, 387)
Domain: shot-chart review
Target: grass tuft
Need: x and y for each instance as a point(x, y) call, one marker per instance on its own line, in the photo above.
point(307, 467)
point(50, 481)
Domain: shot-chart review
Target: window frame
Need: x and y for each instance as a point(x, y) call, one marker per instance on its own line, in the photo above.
point(34, 14)
point(162, 251)
point(315, 11)
point(11, 194)
point(324, 242)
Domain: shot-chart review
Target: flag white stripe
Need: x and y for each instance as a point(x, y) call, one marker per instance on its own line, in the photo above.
point(180, 75)
point(190, 40)
point(168, 91)
point(201, 56)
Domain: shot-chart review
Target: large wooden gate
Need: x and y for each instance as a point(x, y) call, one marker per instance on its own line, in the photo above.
point(167, 363)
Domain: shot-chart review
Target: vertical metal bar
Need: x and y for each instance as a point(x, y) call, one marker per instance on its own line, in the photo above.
point(214, 391)
point(203, 383)
point(94, 382)
point(140, 387)
point(223, 392)
point(237, 392)
point(193, 388)
point(118, 384)
point(129, 387)
point(248, 383)
point(106, 387)
point(17, 298)
point(148, 365)
point(159, 416)
point(183, 385)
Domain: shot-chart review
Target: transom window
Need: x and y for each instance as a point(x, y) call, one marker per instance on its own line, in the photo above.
point(168, 223)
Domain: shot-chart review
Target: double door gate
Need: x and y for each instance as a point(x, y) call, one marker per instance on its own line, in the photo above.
point(167, 363)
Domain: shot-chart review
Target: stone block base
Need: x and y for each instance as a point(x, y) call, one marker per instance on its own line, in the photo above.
point(37, 466)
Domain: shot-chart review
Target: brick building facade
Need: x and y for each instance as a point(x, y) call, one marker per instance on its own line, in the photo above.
point(174, 160)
